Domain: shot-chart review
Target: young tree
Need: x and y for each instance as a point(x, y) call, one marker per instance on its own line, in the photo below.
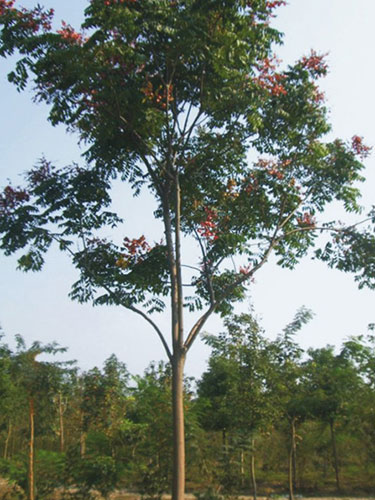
point(332, 381)
point(152, 411)
point(185, 98)
point(103, 401)
point(235, 388)
point(360, 351)
point(38, 383)
point(288, 395)
point(9, 395)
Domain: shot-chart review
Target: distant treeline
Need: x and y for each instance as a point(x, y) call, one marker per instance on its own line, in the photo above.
point(265, 417)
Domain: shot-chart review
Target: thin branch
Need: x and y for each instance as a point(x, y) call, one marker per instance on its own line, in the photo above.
point(191, 267)
point(205, 263)
point(158, 331)
point(194, 332)
point(287, 219)
point(152, 175)
point(183, 131)
point(190, 131)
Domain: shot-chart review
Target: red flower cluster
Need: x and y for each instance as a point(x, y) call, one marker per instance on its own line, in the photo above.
point(273, 167)
point(318, 96)
point(36, 19)
point(245, 269)
point(6, 5)
point(160, 96)
point(135, 251)
point(273, 4)
point(46, 19)
point(307, 220)
point(136, 246)
point(11, 198)
point(268, 78)
point(29, 20)
point(250, 183)
point(208, 227)
point(359, 148)
point(69, 34)
point(315, 64)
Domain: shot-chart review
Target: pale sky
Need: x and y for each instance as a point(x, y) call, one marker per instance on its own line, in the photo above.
point(37, 306)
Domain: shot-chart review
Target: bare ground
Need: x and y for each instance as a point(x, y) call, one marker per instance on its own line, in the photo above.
point(8, 491)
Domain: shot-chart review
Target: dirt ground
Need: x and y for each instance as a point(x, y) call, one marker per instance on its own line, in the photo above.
point(132, 496)
point(6, 491)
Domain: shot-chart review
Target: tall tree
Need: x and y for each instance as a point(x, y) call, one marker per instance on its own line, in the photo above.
point(185, 98)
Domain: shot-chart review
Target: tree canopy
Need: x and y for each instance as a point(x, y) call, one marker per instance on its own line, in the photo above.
point(244, 139)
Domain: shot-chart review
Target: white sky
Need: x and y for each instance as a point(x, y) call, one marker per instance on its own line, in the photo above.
point(37, 306)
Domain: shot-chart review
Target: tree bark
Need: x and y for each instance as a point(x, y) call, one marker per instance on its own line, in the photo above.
point(294, 453)
point(6, 446)
point(290, 475)
point(82, 444)
point(290, 464)
point(61, 420)
point(224, 441)
point(242, 467)
point(334, 451)
point(31, 450)
point(178, 486)
point(253, 477)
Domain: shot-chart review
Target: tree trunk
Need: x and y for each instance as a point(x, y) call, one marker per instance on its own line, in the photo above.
point(290, 475)
point(294, 453)
point(290, 464)
point(224, 441)
point(61, 420)
point(82, 444)
point(6, 446)
point(31, 450)
point(253, 478)
point(82, 436)
point(334, 451)
point(178, 486)
point(242, 468)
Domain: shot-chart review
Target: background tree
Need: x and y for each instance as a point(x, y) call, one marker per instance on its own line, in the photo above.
point(101, 401)
point(152, 410)
point(8, 396)
point(287, 393)
point(37, 383)
point(184, 98)
point(235, 391)
point(128, 441)
point(332, 381)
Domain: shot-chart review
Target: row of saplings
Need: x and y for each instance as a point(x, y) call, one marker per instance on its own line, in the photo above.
point(265, 418)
